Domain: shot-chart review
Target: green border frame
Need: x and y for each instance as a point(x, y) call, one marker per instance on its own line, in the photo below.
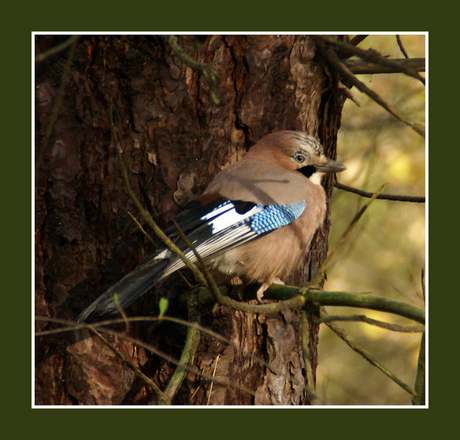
point(211, 16)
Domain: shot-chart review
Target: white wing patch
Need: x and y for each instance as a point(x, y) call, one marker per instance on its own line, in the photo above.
point(225, 216)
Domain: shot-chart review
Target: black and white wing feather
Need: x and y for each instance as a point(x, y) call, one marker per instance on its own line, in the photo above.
point(212, 228)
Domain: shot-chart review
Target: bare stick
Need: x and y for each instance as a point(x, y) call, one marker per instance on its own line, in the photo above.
point(375, 322)
point(394, 197)
point(347, 75)
point(366, 355)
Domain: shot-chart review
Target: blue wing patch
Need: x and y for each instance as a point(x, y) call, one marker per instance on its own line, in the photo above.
point(272, 217)
point(229, 224)
point(213, 227)
point(261, 218)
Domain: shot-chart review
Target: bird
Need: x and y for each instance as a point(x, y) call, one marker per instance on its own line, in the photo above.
point(255, 220)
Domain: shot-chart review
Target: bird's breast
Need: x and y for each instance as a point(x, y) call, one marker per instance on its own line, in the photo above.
point(273, 255)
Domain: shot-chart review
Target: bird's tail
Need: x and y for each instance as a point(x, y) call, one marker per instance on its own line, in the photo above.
point(128, 289)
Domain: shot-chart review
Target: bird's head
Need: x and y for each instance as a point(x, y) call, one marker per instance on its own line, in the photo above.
point(298, 151)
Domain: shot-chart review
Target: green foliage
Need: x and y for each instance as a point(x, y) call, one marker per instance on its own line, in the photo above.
point(163, 306)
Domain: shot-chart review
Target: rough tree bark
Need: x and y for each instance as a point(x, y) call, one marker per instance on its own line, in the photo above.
point(174, 140)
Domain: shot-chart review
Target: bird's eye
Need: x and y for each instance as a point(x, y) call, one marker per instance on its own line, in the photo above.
point(299, 158)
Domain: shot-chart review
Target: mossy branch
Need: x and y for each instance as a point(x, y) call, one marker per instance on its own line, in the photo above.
point(298, 297)
point(188, 352)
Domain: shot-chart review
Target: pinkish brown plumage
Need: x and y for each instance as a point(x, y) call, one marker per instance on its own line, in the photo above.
point(255, 220)
point(269, 174)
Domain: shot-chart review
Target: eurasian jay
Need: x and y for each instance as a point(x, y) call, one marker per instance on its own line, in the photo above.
point(255, 220)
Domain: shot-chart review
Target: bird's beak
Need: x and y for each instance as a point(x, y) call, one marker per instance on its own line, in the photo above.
point(331, 166)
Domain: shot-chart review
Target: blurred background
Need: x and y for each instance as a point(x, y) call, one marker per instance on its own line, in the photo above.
point(385, 255)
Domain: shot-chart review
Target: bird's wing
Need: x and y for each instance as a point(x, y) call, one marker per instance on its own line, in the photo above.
point(222, 224)
point(212, 225)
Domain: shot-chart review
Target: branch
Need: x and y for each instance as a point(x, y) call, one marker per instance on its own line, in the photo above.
point(361, 67)
point(366, 301)
point(182, 366)
point(334, 61)
point(367, 320)
point(292, 296)
point(56, 49)
point(72, 325)
point(208, 279)
point(144, 213)
point(372, 56)
point(320, 273)
point(368, 356)
point(188, 352)
point(357, 39)
point(133, 367)
point(401, 47)
point(394, 197)
point(144, 232)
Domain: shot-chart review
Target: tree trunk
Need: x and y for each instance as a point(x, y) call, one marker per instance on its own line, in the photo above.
point(174, 139)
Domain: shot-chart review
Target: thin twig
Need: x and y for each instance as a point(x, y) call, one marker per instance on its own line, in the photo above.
point(133, 367)
point(209, 280)
point(347, 75)
point(401, 47)
point(144, 213)
point(422, 279)
point(357, 39)
point(375, 322)
point(393, 197)
point(419, 386)
point(72, 325)
point(228, 302)
point(213, 375)
point(134, 219)
point(56, 49)
point(419, 398)
point(372, 56)
point(366, 355)
point(122, 313)
point(188, 352)
point(320, 273)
